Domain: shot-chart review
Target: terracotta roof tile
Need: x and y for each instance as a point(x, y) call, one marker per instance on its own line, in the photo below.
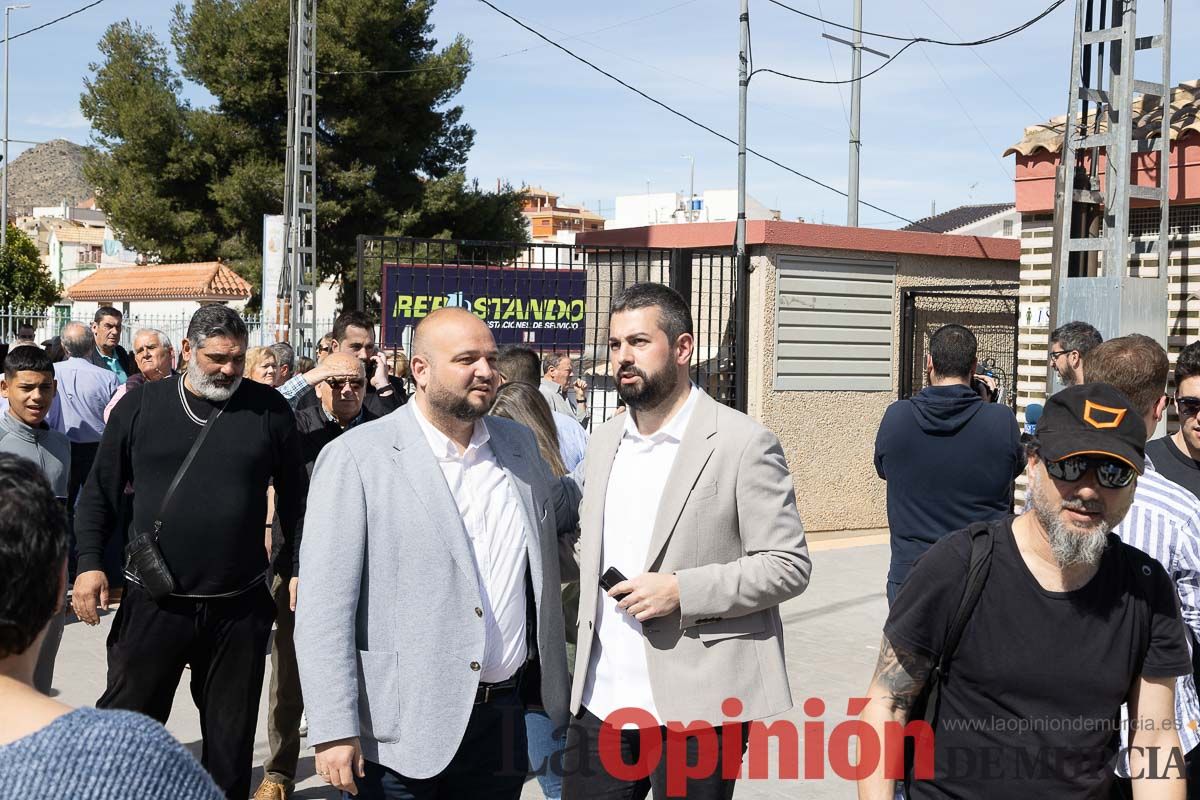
point(1147, 116)
point(208, 280)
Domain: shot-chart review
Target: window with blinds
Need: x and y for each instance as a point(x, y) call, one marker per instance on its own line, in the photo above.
point(833, 324)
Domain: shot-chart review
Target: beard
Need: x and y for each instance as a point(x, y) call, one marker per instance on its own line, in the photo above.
point(461, 406)
point(216, 388)
point(654, 388)
point(1068, 545)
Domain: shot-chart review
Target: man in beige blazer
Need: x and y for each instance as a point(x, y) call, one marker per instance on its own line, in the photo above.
point(692, 502)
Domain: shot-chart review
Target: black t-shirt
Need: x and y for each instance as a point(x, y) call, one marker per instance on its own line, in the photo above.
point(1031, 706)
point(1174, 464)
point(212, 534)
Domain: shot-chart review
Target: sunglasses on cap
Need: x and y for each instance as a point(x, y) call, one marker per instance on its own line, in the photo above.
point(1110, 473)
point(1188, 406)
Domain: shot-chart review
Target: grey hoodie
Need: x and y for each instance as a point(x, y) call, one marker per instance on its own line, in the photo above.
point(49, 449)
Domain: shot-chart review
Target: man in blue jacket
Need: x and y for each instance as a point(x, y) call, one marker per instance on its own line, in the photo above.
point(948, 457)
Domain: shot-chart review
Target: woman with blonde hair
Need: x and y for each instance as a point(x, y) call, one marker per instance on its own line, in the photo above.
point(523, 402)
point(260, 365)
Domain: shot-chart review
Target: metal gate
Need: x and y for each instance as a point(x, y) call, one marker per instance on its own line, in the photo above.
point(554, 298)
point(989, 310)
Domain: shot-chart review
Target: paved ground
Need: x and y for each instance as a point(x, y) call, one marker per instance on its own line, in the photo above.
point(832, 641)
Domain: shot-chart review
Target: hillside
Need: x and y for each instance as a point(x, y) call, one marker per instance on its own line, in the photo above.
point(45, 175)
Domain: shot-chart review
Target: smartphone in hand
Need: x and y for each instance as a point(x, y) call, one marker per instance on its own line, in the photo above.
point(611, 577)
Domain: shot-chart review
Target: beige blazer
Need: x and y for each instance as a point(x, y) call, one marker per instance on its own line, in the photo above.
point(728, 527)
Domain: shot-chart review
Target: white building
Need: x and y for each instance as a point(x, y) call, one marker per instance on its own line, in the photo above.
point(714, 205)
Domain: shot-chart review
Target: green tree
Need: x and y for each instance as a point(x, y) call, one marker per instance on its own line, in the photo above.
point(188, 183)
point(24, 280)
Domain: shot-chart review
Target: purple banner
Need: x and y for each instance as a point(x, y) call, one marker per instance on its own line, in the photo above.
point(537, 307)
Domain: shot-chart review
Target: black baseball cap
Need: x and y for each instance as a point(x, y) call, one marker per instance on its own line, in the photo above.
point(1092, 419)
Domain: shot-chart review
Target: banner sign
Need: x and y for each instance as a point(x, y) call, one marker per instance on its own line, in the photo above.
point(537, 307)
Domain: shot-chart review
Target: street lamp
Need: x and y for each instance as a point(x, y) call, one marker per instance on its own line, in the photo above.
point(4, 196)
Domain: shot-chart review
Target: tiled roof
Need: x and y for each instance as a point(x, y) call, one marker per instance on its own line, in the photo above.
point(1147, 116)
point(208, 280)
point(956, 218)
point(80, 235)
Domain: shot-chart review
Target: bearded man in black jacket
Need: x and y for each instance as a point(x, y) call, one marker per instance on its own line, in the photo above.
point(218, 617)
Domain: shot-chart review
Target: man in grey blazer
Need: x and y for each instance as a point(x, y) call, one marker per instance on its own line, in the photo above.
point(693, 503)
point(429, 549)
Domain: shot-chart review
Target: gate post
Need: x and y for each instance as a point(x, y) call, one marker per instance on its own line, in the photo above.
point(680, 270)
point(907, 309)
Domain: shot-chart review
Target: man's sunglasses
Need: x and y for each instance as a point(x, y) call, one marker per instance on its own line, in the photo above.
point(1188, 406)
point(1110, 473)
point(355, 384)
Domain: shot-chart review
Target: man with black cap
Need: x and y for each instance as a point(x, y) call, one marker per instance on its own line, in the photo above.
point(1069, 624)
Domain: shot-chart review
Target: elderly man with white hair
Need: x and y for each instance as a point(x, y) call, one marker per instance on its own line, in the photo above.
point(154, 356)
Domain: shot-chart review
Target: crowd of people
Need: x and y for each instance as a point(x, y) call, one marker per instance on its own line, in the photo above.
point(471, 580)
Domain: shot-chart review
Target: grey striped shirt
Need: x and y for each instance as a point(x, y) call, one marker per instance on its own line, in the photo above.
point(1164, 521)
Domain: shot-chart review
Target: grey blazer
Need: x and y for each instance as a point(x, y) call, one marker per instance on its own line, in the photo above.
point(728, 527)
point(387, 622)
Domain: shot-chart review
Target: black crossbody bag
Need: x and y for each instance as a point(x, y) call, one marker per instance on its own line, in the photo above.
point(144, 561)
point(983, 538)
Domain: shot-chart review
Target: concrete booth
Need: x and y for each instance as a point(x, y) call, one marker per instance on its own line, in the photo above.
point(828, 347)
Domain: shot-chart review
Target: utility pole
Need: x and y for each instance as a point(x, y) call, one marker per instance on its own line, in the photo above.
point(4, 199)
point(739, 241)
point(300, 278)
point(856, 49)
point(741, 263)
point(855, 117)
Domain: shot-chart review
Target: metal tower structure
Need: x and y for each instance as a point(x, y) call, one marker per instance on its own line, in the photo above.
point(299, 279)
point(1091, 275)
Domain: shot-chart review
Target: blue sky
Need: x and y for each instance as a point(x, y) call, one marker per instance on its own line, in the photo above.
point(934, 122)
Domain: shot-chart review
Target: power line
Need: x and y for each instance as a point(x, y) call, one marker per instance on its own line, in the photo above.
point(53, 21)
point(682, 115)
point(986, 63)
point(993, 152)
point(909, 42)
point(823, 82)
point(986, 40)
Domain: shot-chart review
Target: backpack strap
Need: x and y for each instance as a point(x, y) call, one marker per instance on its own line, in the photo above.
point(983, 538)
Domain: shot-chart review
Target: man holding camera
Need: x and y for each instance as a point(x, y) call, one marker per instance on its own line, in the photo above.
point(949, 457)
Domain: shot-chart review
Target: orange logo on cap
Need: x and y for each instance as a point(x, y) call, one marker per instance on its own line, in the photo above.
point(1102, 417)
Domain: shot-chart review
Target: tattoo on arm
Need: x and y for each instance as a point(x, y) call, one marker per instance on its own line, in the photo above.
point(902, 674)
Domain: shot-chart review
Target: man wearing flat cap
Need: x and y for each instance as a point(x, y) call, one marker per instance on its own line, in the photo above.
point(1034, 630)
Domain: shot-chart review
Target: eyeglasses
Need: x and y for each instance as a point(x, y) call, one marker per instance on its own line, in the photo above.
point(1110, 473)
point(355, 384)
point(1054, 354)
point(324, 349)
point(1188, 406)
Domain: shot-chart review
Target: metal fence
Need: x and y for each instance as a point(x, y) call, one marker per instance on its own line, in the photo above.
point(989, 310)
point(48, 323)
point(555, 298)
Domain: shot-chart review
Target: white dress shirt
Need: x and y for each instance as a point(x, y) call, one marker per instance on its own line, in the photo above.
point(491, 512)
point(617, 674)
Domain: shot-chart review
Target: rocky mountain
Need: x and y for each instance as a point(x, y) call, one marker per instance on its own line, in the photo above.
point(45, 175)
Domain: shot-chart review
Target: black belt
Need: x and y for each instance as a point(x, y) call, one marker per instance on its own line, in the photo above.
point(488, 692)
